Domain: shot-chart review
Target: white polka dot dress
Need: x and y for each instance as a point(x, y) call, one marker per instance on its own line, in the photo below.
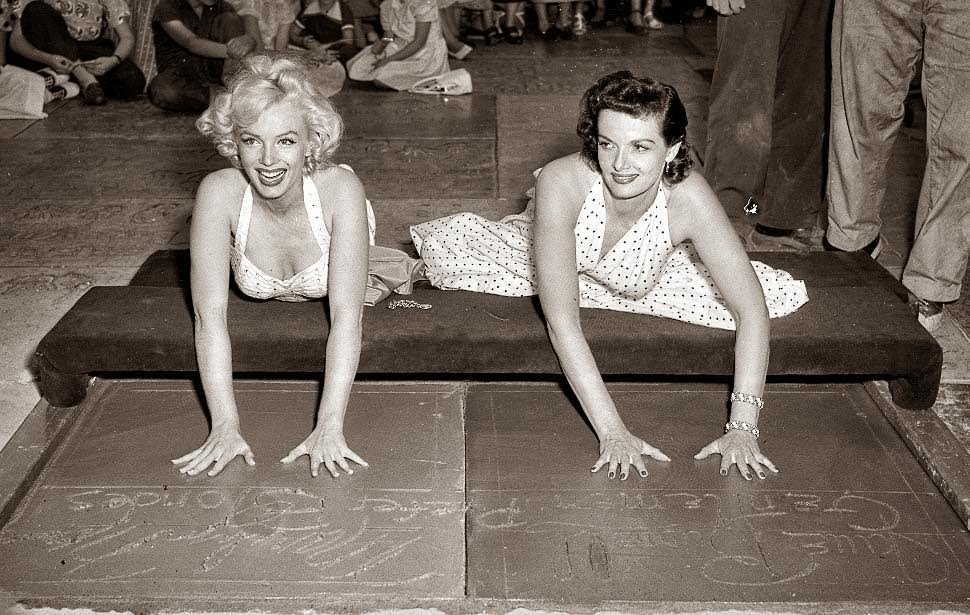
point(642, 273)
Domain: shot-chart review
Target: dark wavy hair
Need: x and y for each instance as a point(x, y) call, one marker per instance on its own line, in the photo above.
point(641, 98)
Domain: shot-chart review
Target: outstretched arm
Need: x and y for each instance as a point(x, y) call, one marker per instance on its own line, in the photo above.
point(345, 291)
point(557, 208)
point(697, 215)
point(209, 249)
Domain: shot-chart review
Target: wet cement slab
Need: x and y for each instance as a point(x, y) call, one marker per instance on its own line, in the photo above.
point(851, 515)
point(110, 520)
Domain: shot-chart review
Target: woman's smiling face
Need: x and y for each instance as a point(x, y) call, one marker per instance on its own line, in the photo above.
point(631, 152)
point(272, 150)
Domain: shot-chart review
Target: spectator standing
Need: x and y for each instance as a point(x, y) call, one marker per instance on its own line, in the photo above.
point(876, 45)
point(768, 117)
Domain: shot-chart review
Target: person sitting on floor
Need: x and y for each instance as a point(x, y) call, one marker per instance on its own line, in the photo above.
point(271, 24)
point(412, 47)
point(264, 219)
point(267, 22)
point(628, 216)
point(197, 44)
point(90, 41)
point(325, 27)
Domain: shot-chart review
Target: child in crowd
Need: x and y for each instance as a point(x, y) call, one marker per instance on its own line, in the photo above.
point(267, 22)
point(513, 22)
point(569, 25)
point(483, 15)
point(197, 43)
point(325, 24)
point(366, 17)
point(448, 17)
point(642, 17)
point(271, 24)
point(412, 47)
point(89, 40)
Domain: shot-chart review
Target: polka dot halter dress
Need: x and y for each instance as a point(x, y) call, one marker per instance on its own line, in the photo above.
point(643, 272)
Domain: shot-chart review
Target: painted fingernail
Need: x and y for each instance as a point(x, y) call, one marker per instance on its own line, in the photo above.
point(723, 472)
point(623, 476)
point(761, 474)
point(747, 477)
point(643, 473)
point(612, 474)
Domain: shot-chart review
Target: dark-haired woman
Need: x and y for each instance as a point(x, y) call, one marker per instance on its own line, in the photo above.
point(624, 225)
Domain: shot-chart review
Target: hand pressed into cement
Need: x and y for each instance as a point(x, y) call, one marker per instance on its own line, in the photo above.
point(328, 448)
point(738, 448)
point(624, 450)
point(224, 444)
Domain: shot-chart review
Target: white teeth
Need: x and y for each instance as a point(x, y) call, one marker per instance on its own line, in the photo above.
point(271, 174)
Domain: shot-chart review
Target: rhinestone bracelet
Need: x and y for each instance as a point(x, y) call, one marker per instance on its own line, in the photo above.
point(407, 304)
point(742, 426)
point(747, 398)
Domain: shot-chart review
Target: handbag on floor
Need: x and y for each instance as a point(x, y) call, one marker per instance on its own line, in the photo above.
point(21, 94)
point(453, 83)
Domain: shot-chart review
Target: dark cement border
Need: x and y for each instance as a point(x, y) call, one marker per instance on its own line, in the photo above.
point(935, 447)
point(31, 446)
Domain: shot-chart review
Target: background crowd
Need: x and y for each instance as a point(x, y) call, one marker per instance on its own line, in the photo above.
point(806, 99)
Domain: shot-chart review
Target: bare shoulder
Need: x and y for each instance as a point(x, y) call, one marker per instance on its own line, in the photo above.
point(564, 182)
point(693, 194)
point(568, 171)
point(221, 190)
point(692, 207)
point(338, 182)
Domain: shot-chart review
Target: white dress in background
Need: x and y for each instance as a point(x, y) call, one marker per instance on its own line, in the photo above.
point(400, 18)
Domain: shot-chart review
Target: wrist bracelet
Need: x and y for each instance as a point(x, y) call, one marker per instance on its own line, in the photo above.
point(387, 39)
point(742, 426)
point(747, 398)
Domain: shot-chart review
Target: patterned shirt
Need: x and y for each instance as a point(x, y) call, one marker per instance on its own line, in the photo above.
point(86, 19)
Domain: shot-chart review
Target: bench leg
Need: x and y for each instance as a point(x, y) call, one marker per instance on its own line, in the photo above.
point(917, 392)
point(60, 389)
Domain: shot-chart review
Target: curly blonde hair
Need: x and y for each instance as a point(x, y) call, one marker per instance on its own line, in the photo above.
point(260, 82)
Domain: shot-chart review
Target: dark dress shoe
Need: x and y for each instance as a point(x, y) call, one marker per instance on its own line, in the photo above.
point(550, 35)
point(492, 37)
point(93, 94)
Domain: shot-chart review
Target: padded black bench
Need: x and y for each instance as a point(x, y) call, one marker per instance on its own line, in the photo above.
point(856, 325)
